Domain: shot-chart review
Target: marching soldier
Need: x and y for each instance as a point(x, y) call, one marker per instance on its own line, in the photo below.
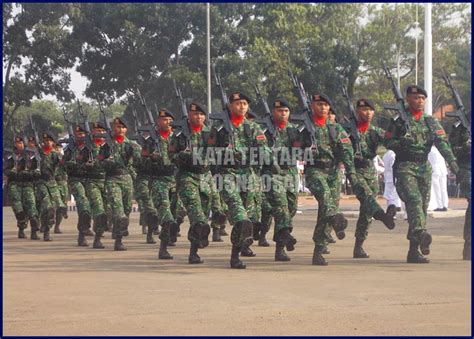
point(191, 181)
point(61, 179)
point(370, 138)
point(246, 135)
point(460, 140)
point(283, 173)
point(117, 160)
point(412, 169)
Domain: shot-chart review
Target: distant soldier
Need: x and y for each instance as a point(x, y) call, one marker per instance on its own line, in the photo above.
point(412, 169)
point(20, 173)
point(117, 159)
point(192, 184)
point(61, 180)
point(460, 140)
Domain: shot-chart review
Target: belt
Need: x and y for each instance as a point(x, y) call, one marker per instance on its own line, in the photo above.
point(419, 158)
point(322, 164)
point(362, 163)
point(117, 172)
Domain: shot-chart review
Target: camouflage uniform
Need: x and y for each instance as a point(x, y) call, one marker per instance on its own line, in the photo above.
point(282, 194)
point(218, 218)
point(61, 212)
point(412, 171)
point(21, 192)
point(461, 143)
point(193, 187)
point(117, 162)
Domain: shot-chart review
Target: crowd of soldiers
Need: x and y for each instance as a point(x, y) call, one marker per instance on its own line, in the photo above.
point(168, 182)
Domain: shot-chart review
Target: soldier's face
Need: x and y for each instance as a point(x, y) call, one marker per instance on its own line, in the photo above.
point(80, 134)
point(365, 114)
point(281, 114)
point(99, 131)
point(164, 123)
point(320, 108)
point(197, 118)
point(48, 143)
point(239, 107)
point(19, 145)
point(31, 144)
point(416, 102)
point(120, 130)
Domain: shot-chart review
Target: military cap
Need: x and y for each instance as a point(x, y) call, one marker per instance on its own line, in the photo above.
point(31, 139)
point(49, 135)
point(365, 103)
point(279, 103)
point(238, 96)
point(98, 125)
point(119, 121)
point(18, 139)
point(162, 113)
point(195, 106)
point(414, 89)
point(321, 97)
point(79, 128)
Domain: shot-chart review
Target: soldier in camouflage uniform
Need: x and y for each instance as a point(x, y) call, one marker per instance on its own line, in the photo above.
point(370, 137)
point(282, 193)
point(117, 160)
point(247, 135)
point(192, 181)
point(47, 192)
point(20, 172)
point(460, 140)
point(61, 179)
point(412, 169)
point(333, 146)
point(77, 162)
point(162, 181)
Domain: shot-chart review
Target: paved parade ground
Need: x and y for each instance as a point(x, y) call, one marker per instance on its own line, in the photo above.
point(57, 288)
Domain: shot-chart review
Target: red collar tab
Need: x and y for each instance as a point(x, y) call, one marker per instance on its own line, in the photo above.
point(281, 124)
point(417, 115)
point(165, 134)
point(320, 121)
point(362, 126)
point(236, 119)
point(196, 128)
point(47, 150)
point(81, 144)
point(119, 138)
point(98, 141)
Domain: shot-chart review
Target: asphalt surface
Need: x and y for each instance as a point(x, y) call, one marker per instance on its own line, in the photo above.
point(57, 288)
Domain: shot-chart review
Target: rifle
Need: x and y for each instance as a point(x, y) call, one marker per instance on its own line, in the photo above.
point(267, 120)
point(224, 116)
point(89, 137)
point(400, 105)
point(36, 152)
point(460, 111)
point(71, 140)
point(109, 139)
point(306, 116)
point(183, 124)
point(152, 129)
point(354, 132)
point(137, 126)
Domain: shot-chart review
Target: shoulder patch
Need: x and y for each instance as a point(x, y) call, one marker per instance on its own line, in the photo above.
point(345, 140)
point(261, 137)
point(440, 132)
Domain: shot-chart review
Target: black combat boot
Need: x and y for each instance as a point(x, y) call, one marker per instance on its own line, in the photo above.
point(163, 253)
point(415, 257)
point(287, 239)
point(97, 243)
point(318, 259)
point(256, 230)
point(149, 236)
point(235, 262)
point(387, 220)
point(216, 235)
point(262, 241)
point(59, 218)
point(359, 252)
point(466, 251)
point(425, 242)
point(246, 251)
point(81, 240)
point(339, 224)
point(203, 231)
point(194, 258)
point(223, 232)
point(21, 233)
point(34, 229)
point(119, 246)
point(46, 236)
point(280, 254)
point(330, 239)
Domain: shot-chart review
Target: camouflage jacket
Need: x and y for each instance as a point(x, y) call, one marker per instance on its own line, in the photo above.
point(461, 145)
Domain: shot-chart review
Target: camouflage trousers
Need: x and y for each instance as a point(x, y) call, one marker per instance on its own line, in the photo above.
point(413, 183)
point(322, 183)
point(48, 200)
point(366, 192)
point(148, 212)
point(238, 189)
point(464, 180)
point(95, 191)
point(195, 193)
point(164, 197)
point(63, 191)
point(119, 190)
point(335, 185)
point(216, 206)
point(77, 187)
point(282, 194)
point(22, 197)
